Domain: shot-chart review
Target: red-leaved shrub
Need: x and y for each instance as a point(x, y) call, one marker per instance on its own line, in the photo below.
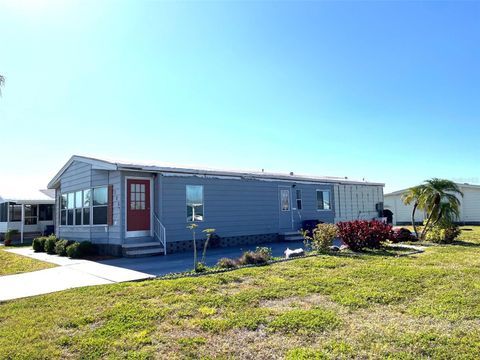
point(359, 234)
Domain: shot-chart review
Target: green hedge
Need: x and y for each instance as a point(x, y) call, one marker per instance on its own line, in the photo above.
point(79, 250)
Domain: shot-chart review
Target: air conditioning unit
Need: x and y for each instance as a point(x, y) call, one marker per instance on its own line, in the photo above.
point(379, 208)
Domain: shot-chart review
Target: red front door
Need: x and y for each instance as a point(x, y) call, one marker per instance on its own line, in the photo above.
point(138, 205)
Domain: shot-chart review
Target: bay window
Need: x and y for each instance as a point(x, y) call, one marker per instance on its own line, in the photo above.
point(84, 207)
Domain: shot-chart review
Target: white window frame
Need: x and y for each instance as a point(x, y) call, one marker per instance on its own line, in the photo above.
point(329, 199)
point(186, 204)
point(297, 191)
point(94, 206)
point(81, 207)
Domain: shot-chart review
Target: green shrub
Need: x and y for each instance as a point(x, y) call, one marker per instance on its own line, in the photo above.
point(9, 235)
point(226, 263)
point(61, 247)
point(50, 243)
point(38, 244)
point(259, 256)
point(86, 248)
point(322, 237)
point(72, 250)
point(443, 234)
point(79, 250)
point(264, 251)
point(201, 267)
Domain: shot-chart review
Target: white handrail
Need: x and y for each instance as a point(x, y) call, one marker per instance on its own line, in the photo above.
point(160, 233)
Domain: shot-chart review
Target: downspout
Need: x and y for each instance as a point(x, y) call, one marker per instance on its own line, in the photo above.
point(22, 224)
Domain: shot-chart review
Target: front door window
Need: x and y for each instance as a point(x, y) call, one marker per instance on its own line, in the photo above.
point(285, 199)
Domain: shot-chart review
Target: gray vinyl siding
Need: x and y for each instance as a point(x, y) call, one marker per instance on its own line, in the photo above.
point(81, 176)
point(235, 207)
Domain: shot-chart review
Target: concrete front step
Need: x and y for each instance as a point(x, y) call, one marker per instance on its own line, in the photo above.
point(293, 238)
point(289, 233)
point(151, 251)
point(141, 245)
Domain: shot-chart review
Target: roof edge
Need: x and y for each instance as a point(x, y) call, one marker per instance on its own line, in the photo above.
point(96, 164)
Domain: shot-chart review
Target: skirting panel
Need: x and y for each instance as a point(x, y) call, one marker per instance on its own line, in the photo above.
point(181, 246)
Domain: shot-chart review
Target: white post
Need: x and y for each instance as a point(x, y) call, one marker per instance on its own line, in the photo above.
point(22, 224)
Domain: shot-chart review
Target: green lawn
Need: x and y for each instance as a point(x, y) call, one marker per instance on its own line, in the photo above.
point(423, 306)
point(14, 264)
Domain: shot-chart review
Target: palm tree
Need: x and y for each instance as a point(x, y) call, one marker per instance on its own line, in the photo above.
point(413, 195)
point(438, 198)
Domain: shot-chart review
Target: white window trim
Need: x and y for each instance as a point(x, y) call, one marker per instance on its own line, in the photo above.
point(296, 200)
point(329, 198)
point(203, 204)
point(75, 208)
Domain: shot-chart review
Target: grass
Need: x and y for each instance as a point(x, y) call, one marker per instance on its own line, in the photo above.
point(14, 264)
point(328, 307)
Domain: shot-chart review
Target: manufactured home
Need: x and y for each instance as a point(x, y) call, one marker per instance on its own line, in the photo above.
point(134, 209)
point(30, 214)
point(469, 206)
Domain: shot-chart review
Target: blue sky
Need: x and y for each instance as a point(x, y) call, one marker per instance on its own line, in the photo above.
point(386, 91)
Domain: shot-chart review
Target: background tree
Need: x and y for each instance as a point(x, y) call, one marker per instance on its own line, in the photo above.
point(438, 198)
point(2, 83)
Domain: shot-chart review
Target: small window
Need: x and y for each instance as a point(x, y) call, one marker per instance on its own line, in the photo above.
point(63, 201)
point(323, 200)
point(100, 208)
point(4, 212)
point(45, 212)
point(70, 200)
point(194, 195)
point(86, 216)
point(15, 212)
point(100, 196)
point(285, 199)
point(100, 215)
point(299, 199)
point(30, 214)
point(87, 198)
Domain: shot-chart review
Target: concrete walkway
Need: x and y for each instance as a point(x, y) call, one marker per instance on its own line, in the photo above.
point(69, 274)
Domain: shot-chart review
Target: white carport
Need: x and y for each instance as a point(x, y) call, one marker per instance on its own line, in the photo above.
point(36, 210)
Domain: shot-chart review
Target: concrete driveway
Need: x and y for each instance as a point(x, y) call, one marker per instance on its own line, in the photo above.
point(180, 262)
point(72, 273)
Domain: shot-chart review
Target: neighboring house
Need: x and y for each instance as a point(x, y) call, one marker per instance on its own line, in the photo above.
point(134, 209)
point(469, 206)
point(30, 214)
